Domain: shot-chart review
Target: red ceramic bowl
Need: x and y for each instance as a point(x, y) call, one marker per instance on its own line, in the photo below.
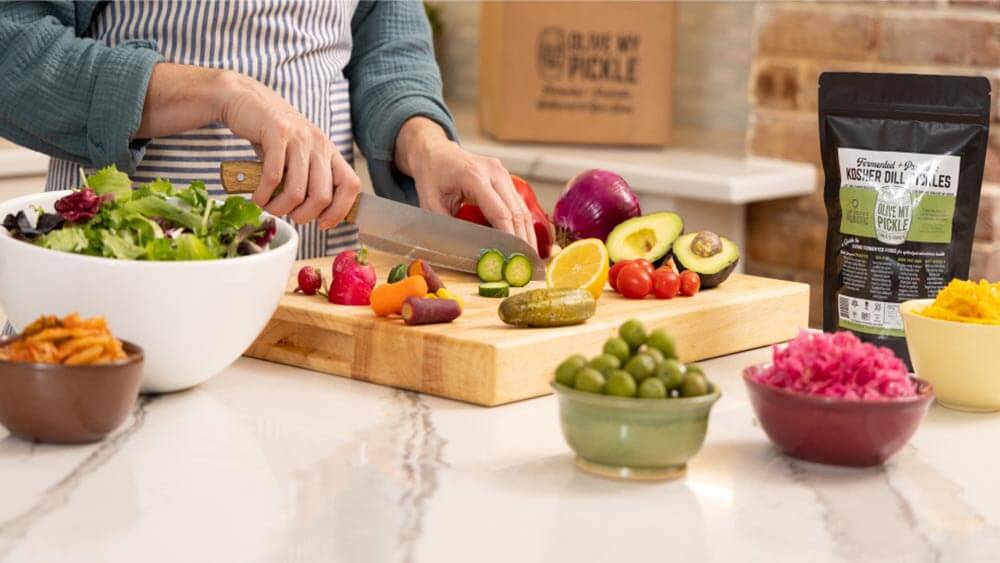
point(836, 431)
point(60, 404)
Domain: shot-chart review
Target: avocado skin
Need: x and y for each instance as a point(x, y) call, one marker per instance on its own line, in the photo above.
point(708, 279)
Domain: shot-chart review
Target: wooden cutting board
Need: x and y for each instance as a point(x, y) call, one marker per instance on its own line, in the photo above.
point(479, 359)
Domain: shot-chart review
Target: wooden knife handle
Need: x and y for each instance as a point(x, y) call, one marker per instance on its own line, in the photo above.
point(242, 176)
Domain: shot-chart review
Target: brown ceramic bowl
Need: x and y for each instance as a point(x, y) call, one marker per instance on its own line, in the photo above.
point(61, 404)
point(837, 431)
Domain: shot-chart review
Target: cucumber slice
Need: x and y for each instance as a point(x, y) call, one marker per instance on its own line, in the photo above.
point(494, 289)
point(517, 270)
point(489, 268)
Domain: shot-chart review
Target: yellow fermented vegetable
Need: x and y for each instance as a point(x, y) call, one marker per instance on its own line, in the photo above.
point(445, 293)
point(967, 302)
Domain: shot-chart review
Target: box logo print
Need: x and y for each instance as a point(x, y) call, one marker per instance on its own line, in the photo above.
point(551, 54)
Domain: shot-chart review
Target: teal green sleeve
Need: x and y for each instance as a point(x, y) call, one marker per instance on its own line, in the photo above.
point(67, 96)
point(394, 77)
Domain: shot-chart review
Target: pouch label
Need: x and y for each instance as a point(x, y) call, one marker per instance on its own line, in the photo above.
point(896, 197)
point(896, 217)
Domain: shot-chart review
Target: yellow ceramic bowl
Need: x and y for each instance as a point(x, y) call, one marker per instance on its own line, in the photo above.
point(961, 360)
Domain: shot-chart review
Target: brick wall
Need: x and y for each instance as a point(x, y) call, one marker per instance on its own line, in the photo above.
point(793, 43)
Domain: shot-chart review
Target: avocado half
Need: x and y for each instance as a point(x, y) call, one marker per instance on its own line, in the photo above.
point(649, 236)
point(712, 257)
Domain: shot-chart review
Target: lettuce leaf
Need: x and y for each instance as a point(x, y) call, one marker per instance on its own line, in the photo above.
point(161, 249)
point(121, 246)
point(237, 212)
point(155, 206)
point(196, 195)
point(190, 247)
point(67, 239)
point(109, 180)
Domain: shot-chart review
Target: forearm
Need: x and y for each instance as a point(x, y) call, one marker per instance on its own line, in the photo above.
point(67, 96)
point(181, 98)
point(394, 78)
point(417, 139)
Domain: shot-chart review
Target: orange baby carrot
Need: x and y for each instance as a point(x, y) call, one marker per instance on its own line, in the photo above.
point(387, 299)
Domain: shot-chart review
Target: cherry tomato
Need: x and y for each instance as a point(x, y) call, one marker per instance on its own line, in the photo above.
point(614, 271)
point(690, 283)
point(646, 265)
point(634, 282)
point(666, 283)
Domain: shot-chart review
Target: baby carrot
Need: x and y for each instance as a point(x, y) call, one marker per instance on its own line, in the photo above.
point(387, 299)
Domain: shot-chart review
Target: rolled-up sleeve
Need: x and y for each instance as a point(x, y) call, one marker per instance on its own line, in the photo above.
point(66, 96)
point(393, 77)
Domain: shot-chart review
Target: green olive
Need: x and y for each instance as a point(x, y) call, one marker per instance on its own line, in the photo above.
point(640, 366)
point(617, 348)
point(590, 381)
point(633, 333)
point(671, 373)
point(566, 372)
point(693, 368)
point(620, 384)
point(653, 353)
point(652, 388)
point(605, 363)
point(694, 385)
point(663, 342)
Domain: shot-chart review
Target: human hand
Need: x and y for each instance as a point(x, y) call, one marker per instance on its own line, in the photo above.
point(317, 182)
point(446, 175)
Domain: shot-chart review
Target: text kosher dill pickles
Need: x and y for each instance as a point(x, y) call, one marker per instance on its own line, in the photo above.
point(899, 178)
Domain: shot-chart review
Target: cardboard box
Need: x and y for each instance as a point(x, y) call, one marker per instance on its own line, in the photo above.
point(580, 72)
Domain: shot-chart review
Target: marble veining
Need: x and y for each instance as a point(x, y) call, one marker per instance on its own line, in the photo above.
point(14, 529)
point(423, 457)
point(271, 463)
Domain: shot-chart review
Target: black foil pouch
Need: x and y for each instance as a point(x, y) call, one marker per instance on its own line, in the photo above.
point(903, 156)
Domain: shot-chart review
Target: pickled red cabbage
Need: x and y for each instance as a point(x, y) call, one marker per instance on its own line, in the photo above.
point(837, 365)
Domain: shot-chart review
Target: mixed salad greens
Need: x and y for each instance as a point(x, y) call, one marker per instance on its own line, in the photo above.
point(107, 217)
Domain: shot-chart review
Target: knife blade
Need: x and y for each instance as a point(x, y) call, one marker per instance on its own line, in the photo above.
point(405, 230)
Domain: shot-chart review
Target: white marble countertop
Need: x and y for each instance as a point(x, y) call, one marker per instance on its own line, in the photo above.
point(270, 463)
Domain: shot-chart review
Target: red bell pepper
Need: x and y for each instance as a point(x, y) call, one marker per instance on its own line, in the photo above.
point(543, 227)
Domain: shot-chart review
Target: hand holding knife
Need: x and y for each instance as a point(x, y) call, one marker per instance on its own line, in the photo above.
point(405, 230)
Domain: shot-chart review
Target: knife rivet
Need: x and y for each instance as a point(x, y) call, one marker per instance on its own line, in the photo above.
point(241, 177)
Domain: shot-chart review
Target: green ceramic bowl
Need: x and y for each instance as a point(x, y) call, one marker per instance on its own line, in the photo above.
point(628, 438)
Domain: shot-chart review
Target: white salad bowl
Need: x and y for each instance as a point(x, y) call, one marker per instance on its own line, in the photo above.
point(193, 319)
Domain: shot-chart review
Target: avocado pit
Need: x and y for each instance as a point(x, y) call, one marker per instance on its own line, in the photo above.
point(712, 257)
point(706, 244)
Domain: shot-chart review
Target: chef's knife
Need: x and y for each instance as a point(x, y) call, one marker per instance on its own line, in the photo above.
point(405, 230)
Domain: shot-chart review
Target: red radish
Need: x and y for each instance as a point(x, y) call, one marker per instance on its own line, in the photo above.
point(353, 278)
point(310, 280)
point(348, 288)
point(357, 263)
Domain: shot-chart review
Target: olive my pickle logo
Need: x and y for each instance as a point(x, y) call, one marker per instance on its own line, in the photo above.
point(596, 57)
point(893, 212)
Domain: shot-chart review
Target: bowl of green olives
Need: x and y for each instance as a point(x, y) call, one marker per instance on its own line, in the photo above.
point(634, 411)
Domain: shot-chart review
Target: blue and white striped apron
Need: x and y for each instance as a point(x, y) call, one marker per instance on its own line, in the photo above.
point(299, 49)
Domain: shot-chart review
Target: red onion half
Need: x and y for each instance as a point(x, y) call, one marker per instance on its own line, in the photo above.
point(593, 202)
